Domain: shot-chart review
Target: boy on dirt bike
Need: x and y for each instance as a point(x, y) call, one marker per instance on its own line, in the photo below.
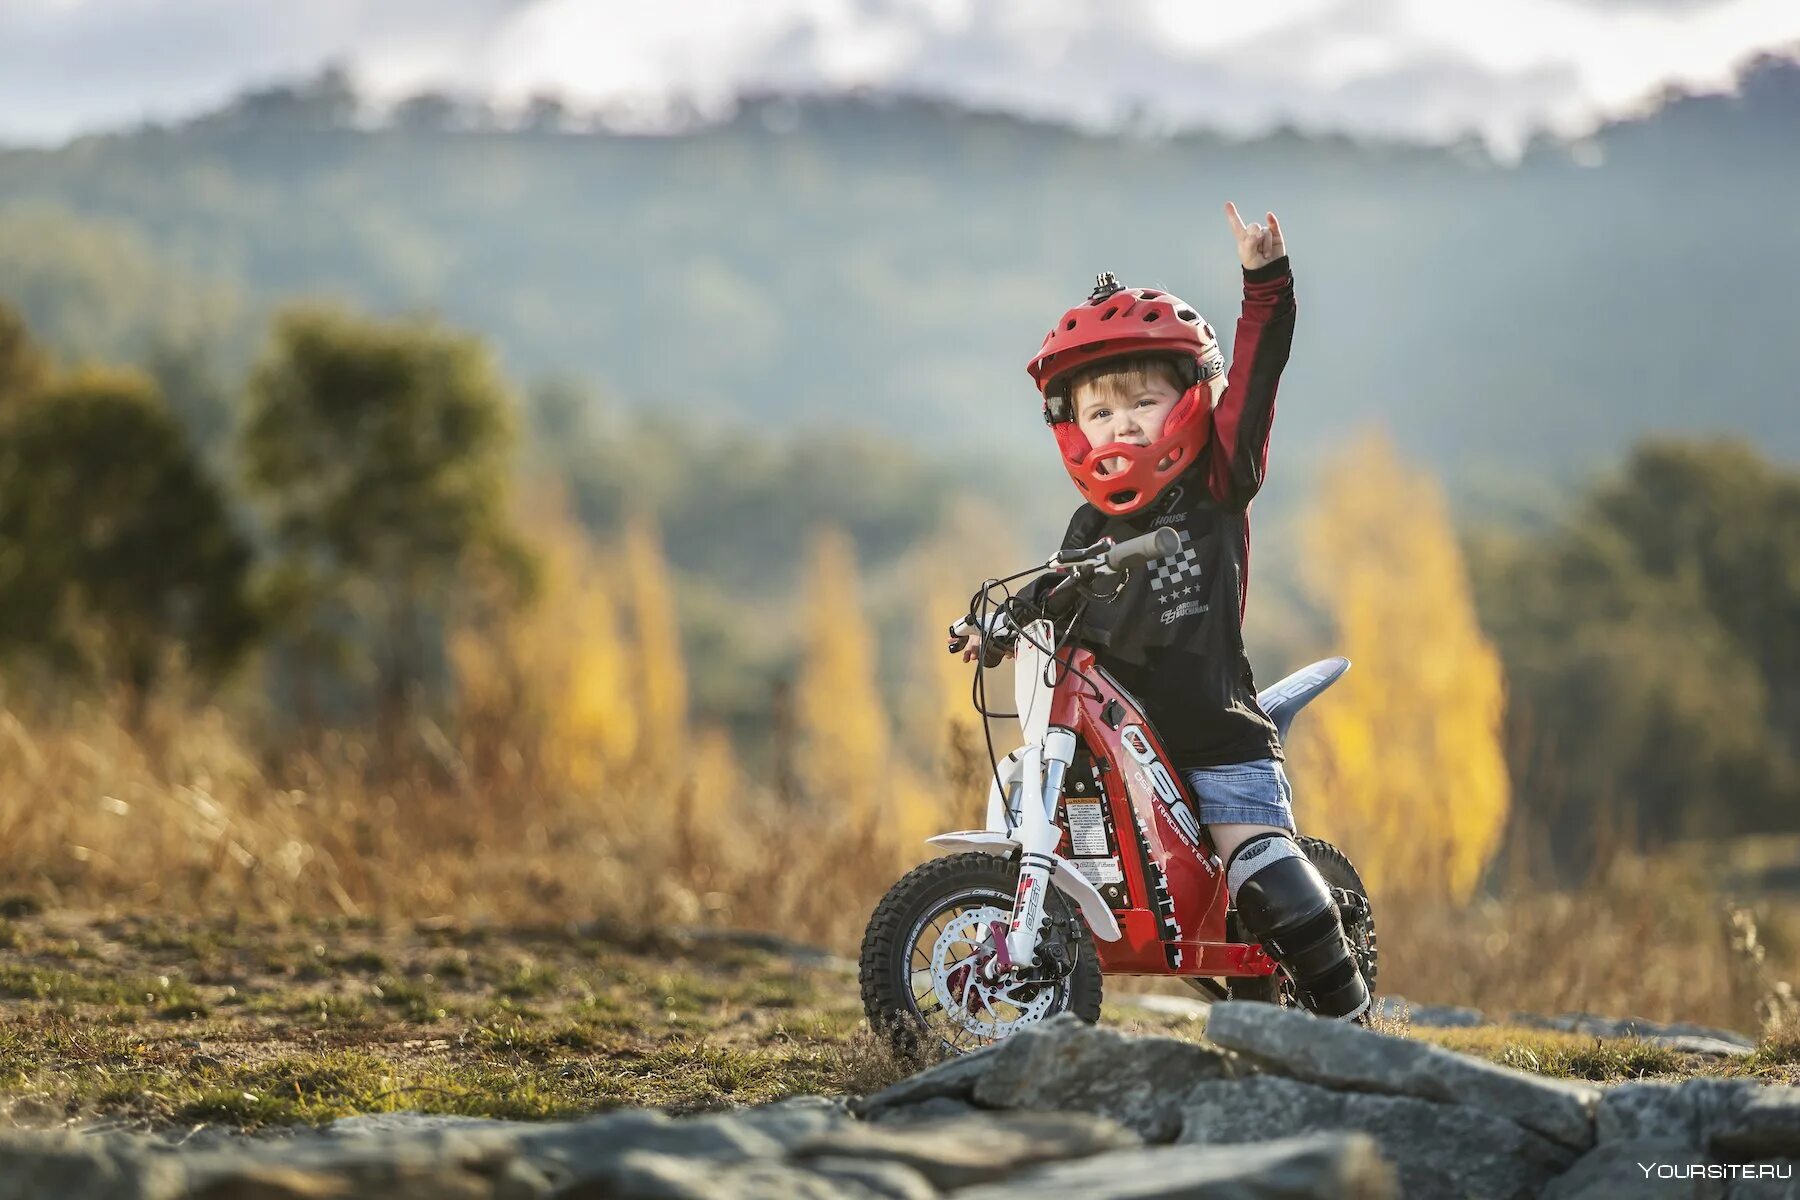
point(1155, 432)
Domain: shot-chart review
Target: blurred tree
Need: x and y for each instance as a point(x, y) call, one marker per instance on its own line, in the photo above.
point(326, 101)
point(379, 453)
point(193, 386)
point(1404, 766)
point(440, 112)
point(117, 547)
point(96, 290)
point(23, 365)
point(841, 721)
point(546, 112)
point(545, 689)
point(1650, 642)
point(1719, 514)
point(658, 670)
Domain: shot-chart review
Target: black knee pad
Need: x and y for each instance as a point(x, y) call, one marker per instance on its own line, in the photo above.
point(1285, 905)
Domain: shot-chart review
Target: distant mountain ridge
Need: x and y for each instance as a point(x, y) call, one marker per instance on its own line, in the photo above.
point(891, 264)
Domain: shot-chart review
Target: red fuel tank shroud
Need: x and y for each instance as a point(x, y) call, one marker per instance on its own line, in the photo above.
point(1175, 924)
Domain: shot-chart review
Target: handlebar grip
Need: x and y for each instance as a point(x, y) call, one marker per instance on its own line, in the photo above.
point(1158, 543)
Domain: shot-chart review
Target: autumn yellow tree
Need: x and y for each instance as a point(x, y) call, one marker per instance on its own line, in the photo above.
point(1402, 763)
point(841, 721)
point(659, 670)
point(548, 684)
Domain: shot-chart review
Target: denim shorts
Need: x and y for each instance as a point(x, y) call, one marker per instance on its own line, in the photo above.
point(1250, 793)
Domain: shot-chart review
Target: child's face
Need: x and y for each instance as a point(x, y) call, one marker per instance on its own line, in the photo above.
point(1134, 412)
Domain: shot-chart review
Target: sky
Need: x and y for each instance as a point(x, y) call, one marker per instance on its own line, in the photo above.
point(1417, 69)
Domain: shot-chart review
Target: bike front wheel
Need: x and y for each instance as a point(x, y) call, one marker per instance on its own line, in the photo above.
point(922, 958)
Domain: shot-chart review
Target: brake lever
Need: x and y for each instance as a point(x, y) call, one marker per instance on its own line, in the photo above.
point(1063, 558)
point(958, 641)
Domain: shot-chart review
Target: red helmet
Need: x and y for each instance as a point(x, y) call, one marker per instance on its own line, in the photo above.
point(1115, 322)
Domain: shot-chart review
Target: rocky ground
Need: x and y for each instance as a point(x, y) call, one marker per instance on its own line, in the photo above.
point(1273, 1103)
point(135, 1056)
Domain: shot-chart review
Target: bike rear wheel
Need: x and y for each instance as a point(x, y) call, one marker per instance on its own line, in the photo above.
point(921, 958)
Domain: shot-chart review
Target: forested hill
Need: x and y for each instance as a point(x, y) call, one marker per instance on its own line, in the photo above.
point(892, 263)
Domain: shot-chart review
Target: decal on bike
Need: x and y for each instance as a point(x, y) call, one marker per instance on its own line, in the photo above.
point(1022, 902)
point(1161, 898)
point(1087, 829)
point(1092, 843)
point(1167, 790)
point(1099, 871)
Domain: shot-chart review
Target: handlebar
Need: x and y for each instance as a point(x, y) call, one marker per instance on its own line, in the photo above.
point(1103, 557)
point(1158, 543)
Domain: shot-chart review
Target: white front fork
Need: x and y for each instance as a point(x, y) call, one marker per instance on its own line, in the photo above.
point(1030, 828)
point(1037, 832)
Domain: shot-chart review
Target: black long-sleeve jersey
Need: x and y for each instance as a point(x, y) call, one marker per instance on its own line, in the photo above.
point(1173, 634)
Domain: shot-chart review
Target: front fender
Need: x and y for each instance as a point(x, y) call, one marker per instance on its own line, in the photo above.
point(1072, 883)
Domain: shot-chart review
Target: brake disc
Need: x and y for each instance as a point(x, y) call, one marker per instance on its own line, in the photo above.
point(986, 1008)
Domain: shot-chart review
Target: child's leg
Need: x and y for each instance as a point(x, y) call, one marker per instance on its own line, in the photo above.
point(1280, 896)
point(1227, 836)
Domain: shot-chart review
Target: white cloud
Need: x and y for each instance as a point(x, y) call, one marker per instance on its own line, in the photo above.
point(1412, 68)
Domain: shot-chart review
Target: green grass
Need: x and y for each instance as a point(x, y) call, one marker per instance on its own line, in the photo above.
point(305, 1023)
point(164, 1023)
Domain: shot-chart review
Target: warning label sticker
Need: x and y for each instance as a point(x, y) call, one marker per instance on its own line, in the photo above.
point(1087, 830)
point(1099, 871)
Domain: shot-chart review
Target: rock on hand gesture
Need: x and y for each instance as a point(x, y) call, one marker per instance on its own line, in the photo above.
point(1257, 245)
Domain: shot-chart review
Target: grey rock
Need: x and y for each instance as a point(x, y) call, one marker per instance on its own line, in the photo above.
point(1672, 1112)
point(646, 1175)
point(643, 1175)
point(1433, 1016)
point(926, 1110)
point(417, 1165)
point(1694, 1043)
point(893, 1180)
point(582, 1148)
point(1346, 1056)
point(795, 1119)
point(1067, 1065)
point(1611, 1171)
point(35, 1165)
point(953, 1078)
point(376, 1124)
point(1765, 1125)
point(1781, 1183)
point(1732, 1119)
point(1438, 1149)
point(959, 1152)
point(1328, 1168)
point(1599, 1026)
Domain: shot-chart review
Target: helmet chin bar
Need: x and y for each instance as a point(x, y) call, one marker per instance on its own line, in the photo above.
point(1140, 481)
point(1133, 485)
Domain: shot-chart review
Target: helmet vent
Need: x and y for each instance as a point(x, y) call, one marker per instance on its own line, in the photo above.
point(1109, 313)
point(1149, 295)
point(1187, 314)
point(1152, 315)
point(1069, 324)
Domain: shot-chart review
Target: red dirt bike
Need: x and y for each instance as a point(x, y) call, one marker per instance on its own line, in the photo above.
point(1093, 861)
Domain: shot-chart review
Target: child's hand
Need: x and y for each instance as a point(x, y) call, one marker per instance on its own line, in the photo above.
point(1257, 245)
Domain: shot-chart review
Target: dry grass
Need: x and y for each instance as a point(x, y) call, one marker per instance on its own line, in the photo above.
point(188, 816)
point(1648, 940)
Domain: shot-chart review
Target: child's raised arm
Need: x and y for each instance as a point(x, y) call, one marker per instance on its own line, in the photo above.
point(1265, 330)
